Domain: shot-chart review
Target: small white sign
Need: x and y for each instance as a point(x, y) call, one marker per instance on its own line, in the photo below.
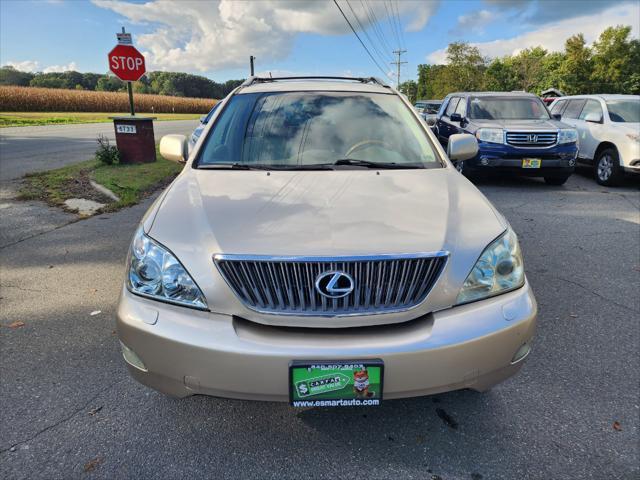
point(124, 39)
point(125, 128)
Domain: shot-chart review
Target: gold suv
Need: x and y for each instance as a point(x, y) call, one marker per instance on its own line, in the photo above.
point(320, 248)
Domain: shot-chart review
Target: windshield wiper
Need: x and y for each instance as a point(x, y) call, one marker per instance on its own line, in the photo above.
point(382, 165)
point(259, 166)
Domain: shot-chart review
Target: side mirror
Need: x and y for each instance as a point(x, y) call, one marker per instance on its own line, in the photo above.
point(455, 117)
point(174, 148)
point(556, 116)
point(431, 121)
point(593, 117)
point(203, 119)
point(462, 146)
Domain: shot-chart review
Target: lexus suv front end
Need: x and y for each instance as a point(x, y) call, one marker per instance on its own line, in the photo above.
point(320, 248)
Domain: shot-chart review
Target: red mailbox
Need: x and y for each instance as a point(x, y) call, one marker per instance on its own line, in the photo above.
point(134, 139)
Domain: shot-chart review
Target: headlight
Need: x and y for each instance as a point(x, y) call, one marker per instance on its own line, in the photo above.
point(491, 135)
point(633, 136)
point(568, 135)
point(498, 270)
point(154, 272)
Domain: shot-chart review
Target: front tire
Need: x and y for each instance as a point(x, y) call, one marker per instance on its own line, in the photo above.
point(556, 180)
point(607, 169)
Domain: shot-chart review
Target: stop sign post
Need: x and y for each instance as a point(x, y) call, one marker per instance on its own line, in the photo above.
point(134, 135)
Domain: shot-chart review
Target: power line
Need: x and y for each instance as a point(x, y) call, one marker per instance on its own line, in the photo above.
point(381, 56)
point(392, 23)
point(399, 20)
point(359, 39)
point(377, 29)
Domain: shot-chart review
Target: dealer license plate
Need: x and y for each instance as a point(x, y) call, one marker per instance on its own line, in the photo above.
point(335, 383)
point(531, 162)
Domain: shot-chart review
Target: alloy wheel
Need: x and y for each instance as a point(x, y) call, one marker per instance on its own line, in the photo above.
point(605, 167)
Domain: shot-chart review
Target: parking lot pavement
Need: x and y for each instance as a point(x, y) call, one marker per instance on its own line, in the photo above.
point(70, 410)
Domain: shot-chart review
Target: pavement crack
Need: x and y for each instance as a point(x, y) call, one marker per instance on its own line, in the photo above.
point(21, 288)
point(572, 282)
point(63, 420)
point(40, 233)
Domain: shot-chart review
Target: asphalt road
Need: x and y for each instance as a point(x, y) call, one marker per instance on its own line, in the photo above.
point(31, 149)
point(69, 409)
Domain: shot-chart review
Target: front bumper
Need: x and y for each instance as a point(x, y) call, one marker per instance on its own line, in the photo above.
point(188, 352)
point(556, 160)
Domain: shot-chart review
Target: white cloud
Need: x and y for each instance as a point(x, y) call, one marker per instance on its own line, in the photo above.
point(216, 34)
point(61, 68)
point(34, 66)
point(24, 66)
point(474, 22)
point(553, 35)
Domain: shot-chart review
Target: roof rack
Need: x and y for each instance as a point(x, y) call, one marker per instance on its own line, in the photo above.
point(253, 80)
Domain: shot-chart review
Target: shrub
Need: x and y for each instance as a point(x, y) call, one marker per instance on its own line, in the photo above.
point(107, 154)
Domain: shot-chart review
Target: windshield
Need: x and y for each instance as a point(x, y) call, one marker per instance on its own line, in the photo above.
point(507, 108)
point(431, 108)
point(624, 110)
point(298, 129)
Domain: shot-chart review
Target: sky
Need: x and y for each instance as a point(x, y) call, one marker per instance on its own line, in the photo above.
point(311, 37)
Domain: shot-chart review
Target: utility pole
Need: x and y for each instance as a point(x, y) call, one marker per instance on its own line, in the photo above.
point(251, 59)
point(397, 63)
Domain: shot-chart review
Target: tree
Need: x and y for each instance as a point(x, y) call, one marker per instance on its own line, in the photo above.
point(10, 76)
point(616, 59)
point(410, 89)
point(576, 69)
point(528, 67)
point(500, 75)
point(109, 83)
point(465, 67)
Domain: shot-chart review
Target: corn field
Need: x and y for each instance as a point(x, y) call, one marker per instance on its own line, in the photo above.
point(31, 99)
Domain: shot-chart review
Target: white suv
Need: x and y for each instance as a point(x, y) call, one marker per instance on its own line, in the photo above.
point(608, 132)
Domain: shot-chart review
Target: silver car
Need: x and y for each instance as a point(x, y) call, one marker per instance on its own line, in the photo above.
point(320, 248)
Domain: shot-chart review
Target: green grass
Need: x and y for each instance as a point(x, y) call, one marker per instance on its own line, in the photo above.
point(131, 183)
point(21, 119)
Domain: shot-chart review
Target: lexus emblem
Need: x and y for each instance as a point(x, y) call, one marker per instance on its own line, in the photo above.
point(334, 284)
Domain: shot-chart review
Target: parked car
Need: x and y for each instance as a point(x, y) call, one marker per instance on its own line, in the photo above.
point(193, 138)
point(515, 134)
point(428, 110)
point(609, 132)
point(320, 248)
point(549, 95)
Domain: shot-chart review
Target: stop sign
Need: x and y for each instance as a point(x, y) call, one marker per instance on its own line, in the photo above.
point(126, 63)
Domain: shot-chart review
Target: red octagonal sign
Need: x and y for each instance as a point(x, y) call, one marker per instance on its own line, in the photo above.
point(126, 63)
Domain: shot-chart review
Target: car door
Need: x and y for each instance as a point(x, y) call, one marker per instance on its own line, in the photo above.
point(461, 109)
point(445, 127)
point(589, 132)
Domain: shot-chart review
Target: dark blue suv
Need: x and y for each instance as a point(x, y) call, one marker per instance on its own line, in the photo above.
point(515, 133)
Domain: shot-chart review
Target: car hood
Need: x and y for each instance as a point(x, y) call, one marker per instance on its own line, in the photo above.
point(521, 124)
point(323, 213)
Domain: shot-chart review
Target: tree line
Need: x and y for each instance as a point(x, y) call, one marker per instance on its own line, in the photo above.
point(610, 65)
point(160, 83)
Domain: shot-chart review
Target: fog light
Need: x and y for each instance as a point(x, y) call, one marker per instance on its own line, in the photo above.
point(132, 358)
point(572, 162)
point(521, 354)
point(484, 161)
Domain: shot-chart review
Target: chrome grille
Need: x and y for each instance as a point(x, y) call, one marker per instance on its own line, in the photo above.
point(532, 139)
point(286, 285)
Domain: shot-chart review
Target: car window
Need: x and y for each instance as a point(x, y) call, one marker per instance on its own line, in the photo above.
point(289, 129)
point(558, 106)
point(624, 110)
point(431, 108)
point(453, 103)
point(574, 108)
point(592, 106)
point(507, 108)
point(462, 107)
